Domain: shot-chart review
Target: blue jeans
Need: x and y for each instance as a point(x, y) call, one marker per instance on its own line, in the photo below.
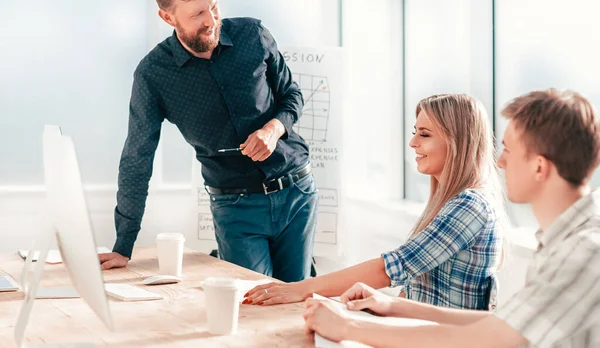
point(270, 234)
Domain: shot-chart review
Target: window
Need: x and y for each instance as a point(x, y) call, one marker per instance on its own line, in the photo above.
point(533, 51)
point(448, 49)
point(67, 63)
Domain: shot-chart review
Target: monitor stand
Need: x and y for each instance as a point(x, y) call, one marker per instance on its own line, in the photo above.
point(30, 281)
point(44, 292)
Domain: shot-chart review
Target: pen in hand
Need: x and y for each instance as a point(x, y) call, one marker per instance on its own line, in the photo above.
point(229, 150)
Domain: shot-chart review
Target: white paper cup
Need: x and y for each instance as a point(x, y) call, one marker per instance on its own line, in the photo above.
point(170, 253)
point(222, 305)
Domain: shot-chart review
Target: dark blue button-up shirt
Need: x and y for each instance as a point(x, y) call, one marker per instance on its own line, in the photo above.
point(216, 104)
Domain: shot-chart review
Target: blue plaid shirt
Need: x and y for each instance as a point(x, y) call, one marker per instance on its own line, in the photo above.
point(451, 263)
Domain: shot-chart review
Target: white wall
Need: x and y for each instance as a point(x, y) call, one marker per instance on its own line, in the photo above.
point(373, 228)
point(22, 212)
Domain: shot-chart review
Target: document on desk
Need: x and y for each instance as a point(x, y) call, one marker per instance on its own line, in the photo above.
point(322, 342)
point(54, 255)
point(7, 283)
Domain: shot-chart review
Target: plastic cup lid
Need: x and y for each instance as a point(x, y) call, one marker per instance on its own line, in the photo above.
point(221, 283)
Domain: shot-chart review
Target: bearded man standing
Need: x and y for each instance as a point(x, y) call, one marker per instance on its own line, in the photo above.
point(225, 85)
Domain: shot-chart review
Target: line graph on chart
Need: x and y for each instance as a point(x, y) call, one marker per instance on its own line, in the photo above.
point(312, 125)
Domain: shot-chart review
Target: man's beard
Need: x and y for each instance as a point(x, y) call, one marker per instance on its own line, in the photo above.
point(197, 42)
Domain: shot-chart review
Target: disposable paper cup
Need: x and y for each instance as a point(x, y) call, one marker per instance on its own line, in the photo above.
point(222, 305)
point(170, 253)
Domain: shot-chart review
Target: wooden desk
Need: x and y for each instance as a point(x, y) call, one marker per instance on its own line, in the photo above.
point(177, 321)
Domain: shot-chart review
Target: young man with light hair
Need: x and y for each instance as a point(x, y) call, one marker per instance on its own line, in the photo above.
point(551, 149)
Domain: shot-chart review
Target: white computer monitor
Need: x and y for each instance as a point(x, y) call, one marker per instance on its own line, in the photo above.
point(69, 222)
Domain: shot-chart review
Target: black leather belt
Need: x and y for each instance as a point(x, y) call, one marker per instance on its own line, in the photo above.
point(268, 187)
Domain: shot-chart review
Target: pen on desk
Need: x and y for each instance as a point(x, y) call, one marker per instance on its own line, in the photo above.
point(230, 150)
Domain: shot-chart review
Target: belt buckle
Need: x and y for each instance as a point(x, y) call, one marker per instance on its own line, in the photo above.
point(266, 188)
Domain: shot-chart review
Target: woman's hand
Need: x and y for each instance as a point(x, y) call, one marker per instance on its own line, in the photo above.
point(276, 293)
point(322, 318)
point(361, 296)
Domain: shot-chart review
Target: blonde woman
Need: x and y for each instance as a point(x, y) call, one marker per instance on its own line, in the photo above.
point(454, 250)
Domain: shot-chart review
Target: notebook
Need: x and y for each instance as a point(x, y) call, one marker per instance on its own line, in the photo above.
point(128, 292)
point(8, 284)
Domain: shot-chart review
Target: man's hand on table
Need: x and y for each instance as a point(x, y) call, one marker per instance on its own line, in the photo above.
point(112, 260)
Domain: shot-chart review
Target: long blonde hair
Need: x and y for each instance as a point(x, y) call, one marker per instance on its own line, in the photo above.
point(470, 156)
